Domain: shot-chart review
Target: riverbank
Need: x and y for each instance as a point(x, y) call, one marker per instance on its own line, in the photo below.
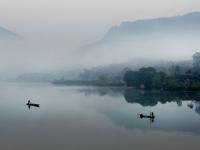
point(87, 83)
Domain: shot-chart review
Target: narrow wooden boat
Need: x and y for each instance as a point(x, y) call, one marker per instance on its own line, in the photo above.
point(32, 104)
point(146, 116)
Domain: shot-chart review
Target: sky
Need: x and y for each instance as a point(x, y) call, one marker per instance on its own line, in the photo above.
point(82, 21)
point(55, 28)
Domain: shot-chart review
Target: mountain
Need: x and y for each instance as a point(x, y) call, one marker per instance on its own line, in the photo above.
point(6, 33)
point(161, 38)
point(189, 23)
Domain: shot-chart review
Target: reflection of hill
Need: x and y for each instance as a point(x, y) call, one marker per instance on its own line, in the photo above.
point(151, 98)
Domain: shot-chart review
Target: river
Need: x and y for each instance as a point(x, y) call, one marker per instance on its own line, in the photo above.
point(96, 118)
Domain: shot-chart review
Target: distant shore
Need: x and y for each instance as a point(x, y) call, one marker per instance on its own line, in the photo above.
point(87, 83)
point(98, 83)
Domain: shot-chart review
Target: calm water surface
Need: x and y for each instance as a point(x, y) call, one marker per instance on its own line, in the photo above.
point(87, 118)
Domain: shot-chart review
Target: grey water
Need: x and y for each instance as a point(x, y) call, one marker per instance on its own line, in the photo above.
point(88, 118)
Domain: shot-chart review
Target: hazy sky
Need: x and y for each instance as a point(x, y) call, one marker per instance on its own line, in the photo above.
point(80, 21)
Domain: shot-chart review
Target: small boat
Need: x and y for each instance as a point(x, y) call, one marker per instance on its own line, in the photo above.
point(32, 104)
point(151, 116)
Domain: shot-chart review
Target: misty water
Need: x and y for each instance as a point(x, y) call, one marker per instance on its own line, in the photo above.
point(89, 118)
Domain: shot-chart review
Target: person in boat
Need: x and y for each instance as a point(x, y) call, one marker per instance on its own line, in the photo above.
point(152, 115)
point(141, 115)
point(29, 102)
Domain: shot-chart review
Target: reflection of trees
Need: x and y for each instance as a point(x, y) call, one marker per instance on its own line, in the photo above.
point(141, 97)
point(144, 97)
point(151, 98)
point(179, 102)
point(197, 109)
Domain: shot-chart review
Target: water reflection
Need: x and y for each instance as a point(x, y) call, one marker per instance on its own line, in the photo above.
point(175, 111)
point(94, 118)
point(197, 108)
point(102, 91)
point(151, 98)
point(148, 98)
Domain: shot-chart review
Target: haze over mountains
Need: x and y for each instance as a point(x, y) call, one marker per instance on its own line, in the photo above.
point(4, 33)
point(160, 38)
point(165, 39)
point(188, 24)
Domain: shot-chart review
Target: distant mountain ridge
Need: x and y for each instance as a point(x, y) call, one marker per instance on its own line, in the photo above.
point(160, 38)
point(6, 33)
point(184, 23)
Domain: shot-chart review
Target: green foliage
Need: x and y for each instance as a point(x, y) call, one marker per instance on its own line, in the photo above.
point(174, 84)
point(158, 80)
point(130, 78)
point(151, 79)
point(148, 77)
